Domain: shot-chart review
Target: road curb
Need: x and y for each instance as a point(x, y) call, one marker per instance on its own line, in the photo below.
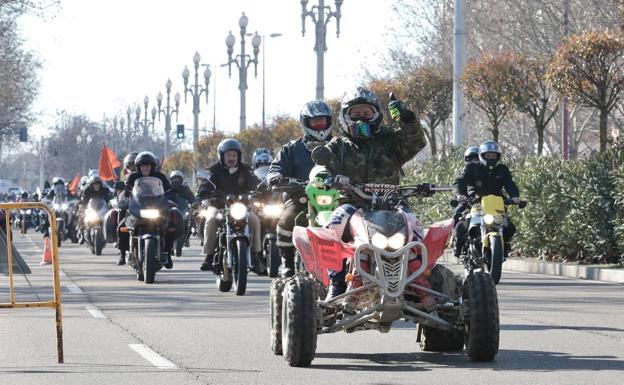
point(557, 269)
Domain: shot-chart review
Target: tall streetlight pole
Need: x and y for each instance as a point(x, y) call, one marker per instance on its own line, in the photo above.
point(459, 54)
point(263, 71)
point(145, 123)
point(242, 61)
point(167, 112)
point(196, 90)
point(320, 19)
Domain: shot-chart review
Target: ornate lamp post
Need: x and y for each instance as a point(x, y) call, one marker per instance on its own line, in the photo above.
point(243, 61)
point(146, 122)
point(168, 111)
point(320, 19)
point(196, 90)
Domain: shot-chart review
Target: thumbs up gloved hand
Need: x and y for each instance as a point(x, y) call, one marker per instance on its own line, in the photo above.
point(398, 110)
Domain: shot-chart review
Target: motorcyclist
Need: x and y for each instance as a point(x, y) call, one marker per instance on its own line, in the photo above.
point(260, 162)
point(488, 177)
point(471, 155)
point(369, 153)
point(294, 160)
point(229, 176)
point(180, 190)
point(24, 197)
point(129, 166)
point(145, 163)
point(58, 187)
point(94, 188)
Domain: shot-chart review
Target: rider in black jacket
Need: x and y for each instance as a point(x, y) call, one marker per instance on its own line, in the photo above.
point(488, 177)
point(295, 161)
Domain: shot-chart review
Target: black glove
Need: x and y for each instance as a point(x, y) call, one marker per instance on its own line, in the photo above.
point(275, 178)
point(398, 110)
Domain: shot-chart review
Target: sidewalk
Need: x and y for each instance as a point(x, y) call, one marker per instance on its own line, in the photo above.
point(568, 270)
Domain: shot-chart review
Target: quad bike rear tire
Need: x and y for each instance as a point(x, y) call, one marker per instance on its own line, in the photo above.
point(299, 323)
point(482, 329)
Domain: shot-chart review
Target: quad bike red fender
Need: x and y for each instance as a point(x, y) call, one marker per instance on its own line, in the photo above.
point(321, 250)
point(436, 238)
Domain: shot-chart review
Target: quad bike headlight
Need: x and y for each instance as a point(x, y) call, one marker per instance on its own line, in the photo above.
point(396, 241)
point(379, 240)
point(324, 200)
point(238, 211)
point(150, 213)
point(488, 219)
point(272, 211)
point(90, 216)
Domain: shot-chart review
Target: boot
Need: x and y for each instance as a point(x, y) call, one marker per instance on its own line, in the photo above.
point(169, 264)
point(336, 287)
point(122, 258)
point(288, 261)
point(207, 264)
point(258, 265)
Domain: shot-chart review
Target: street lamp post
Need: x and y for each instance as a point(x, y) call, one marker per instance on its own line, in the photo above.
point(263, 82)
point(242, 62)
point(167, 112)
point(196, 90)
point(146, 122)
point(320, 20)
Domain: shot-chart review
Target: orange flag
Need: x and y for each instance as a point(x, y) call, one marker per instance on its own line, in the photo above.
point(113, 158)
point(73, 185)
point(105, 168)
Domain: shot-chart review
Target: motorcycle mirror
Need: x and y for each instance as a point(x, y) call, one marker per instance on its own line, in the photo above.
point(522, 204)
point(454, 202)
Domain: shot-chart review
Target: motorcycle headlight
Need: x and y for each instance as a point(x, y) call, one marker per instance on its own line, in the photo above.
point(238, 211)
point(324, 200)
point(56, 206)
point(272, 211)
point(90, 216)
point(204, 213)
point(150, 213)
point(488, 219)
point(64, 206)
point(396, 241)
point(27, 212)
point(257, 204)
point(379, 240)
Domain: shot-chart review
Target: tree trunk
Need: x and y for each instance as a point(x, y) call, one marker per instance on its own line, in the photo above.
point(432, 142)
point(540, 140)
point(495, 132)
point(604, 115)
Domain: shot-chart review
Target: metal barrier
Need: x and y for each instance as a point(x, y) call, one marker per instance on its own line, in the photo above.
point(56, 302)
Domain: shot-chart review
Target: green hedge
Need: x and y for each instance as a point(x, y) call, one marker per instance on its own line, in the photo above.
point(575, 211)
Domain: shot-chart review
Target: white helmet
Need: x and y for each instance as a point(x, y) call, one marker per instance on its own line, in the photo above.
point(176, 173)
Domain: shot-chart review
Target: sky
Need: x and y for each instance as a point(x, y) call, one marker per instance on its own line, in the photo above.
point(100, 56)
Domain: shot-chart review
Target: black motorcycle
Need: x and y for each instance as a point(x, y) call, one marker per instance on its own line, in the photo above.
point(185, 210)
point(149, 221)
point(93, 224)
point(233, 244)
point(269, 207)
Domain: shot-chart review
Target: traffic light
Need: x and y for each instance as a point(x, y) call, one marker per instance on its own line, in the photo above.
point(23, 134)
point(180, 131)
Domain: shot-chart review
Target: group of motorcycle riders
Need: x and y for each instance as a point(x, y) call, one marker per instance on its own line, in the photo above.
point(366, 152)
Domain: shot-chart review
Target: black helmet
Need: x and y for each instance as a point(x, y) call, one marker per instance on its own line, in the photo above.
point(56, 180)
point(229, 144)
point(145, 157)
point(25, 194)
point(471, 155)
point(361, 128)
point(316, 109)
point(129, 160)
point(489, 146)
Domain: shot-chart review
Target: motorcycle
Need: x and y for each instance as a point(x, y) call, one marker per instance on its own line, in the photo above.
point(25, 219)
point(233, 243)
point(61, 209)
point(484, 249)
point(269, 210)
point(391, 273)
point(93, 224)
point(149, 219)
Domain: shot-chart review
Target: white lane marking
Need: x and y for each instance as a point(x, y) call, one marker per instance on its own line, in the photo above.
point(95, 312)
point(154, 358)
point(74, 289)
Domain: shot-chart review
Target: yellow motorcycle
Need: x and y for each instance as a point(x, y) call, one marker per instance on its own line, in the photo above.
point(484, 248)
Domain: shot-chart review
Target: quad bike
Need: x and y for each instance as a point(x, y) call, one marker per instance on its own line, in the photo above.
point(392, 275)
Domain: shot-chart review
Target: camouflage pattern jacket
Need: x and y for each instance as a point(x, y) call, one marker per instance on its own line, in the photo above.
point(380, 158)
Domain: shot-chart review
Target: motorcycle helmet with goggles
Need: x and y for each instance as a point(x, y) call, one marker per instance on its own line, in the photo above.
point(471, 155)
point(489, 154)
point(360, 114)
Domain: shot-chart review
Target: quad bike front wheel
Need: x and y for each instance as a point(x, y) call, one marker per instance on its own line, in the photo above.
point(482, 329)
point(275, 312)
point(299, 321)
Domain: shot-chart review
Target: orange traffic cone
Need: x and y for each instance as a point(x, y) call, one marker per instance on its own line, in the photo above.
point(46, 258)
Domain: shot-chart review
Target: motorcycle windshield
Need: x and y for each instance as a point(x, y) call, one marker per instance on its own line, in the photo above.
point(59, 190)
point(96, 204)
point(147, 186)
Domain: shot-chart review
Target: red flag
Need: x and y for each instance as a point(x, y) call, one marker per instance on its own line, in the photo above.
point(73, 185)
point(113, 158)
point(105, 167)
